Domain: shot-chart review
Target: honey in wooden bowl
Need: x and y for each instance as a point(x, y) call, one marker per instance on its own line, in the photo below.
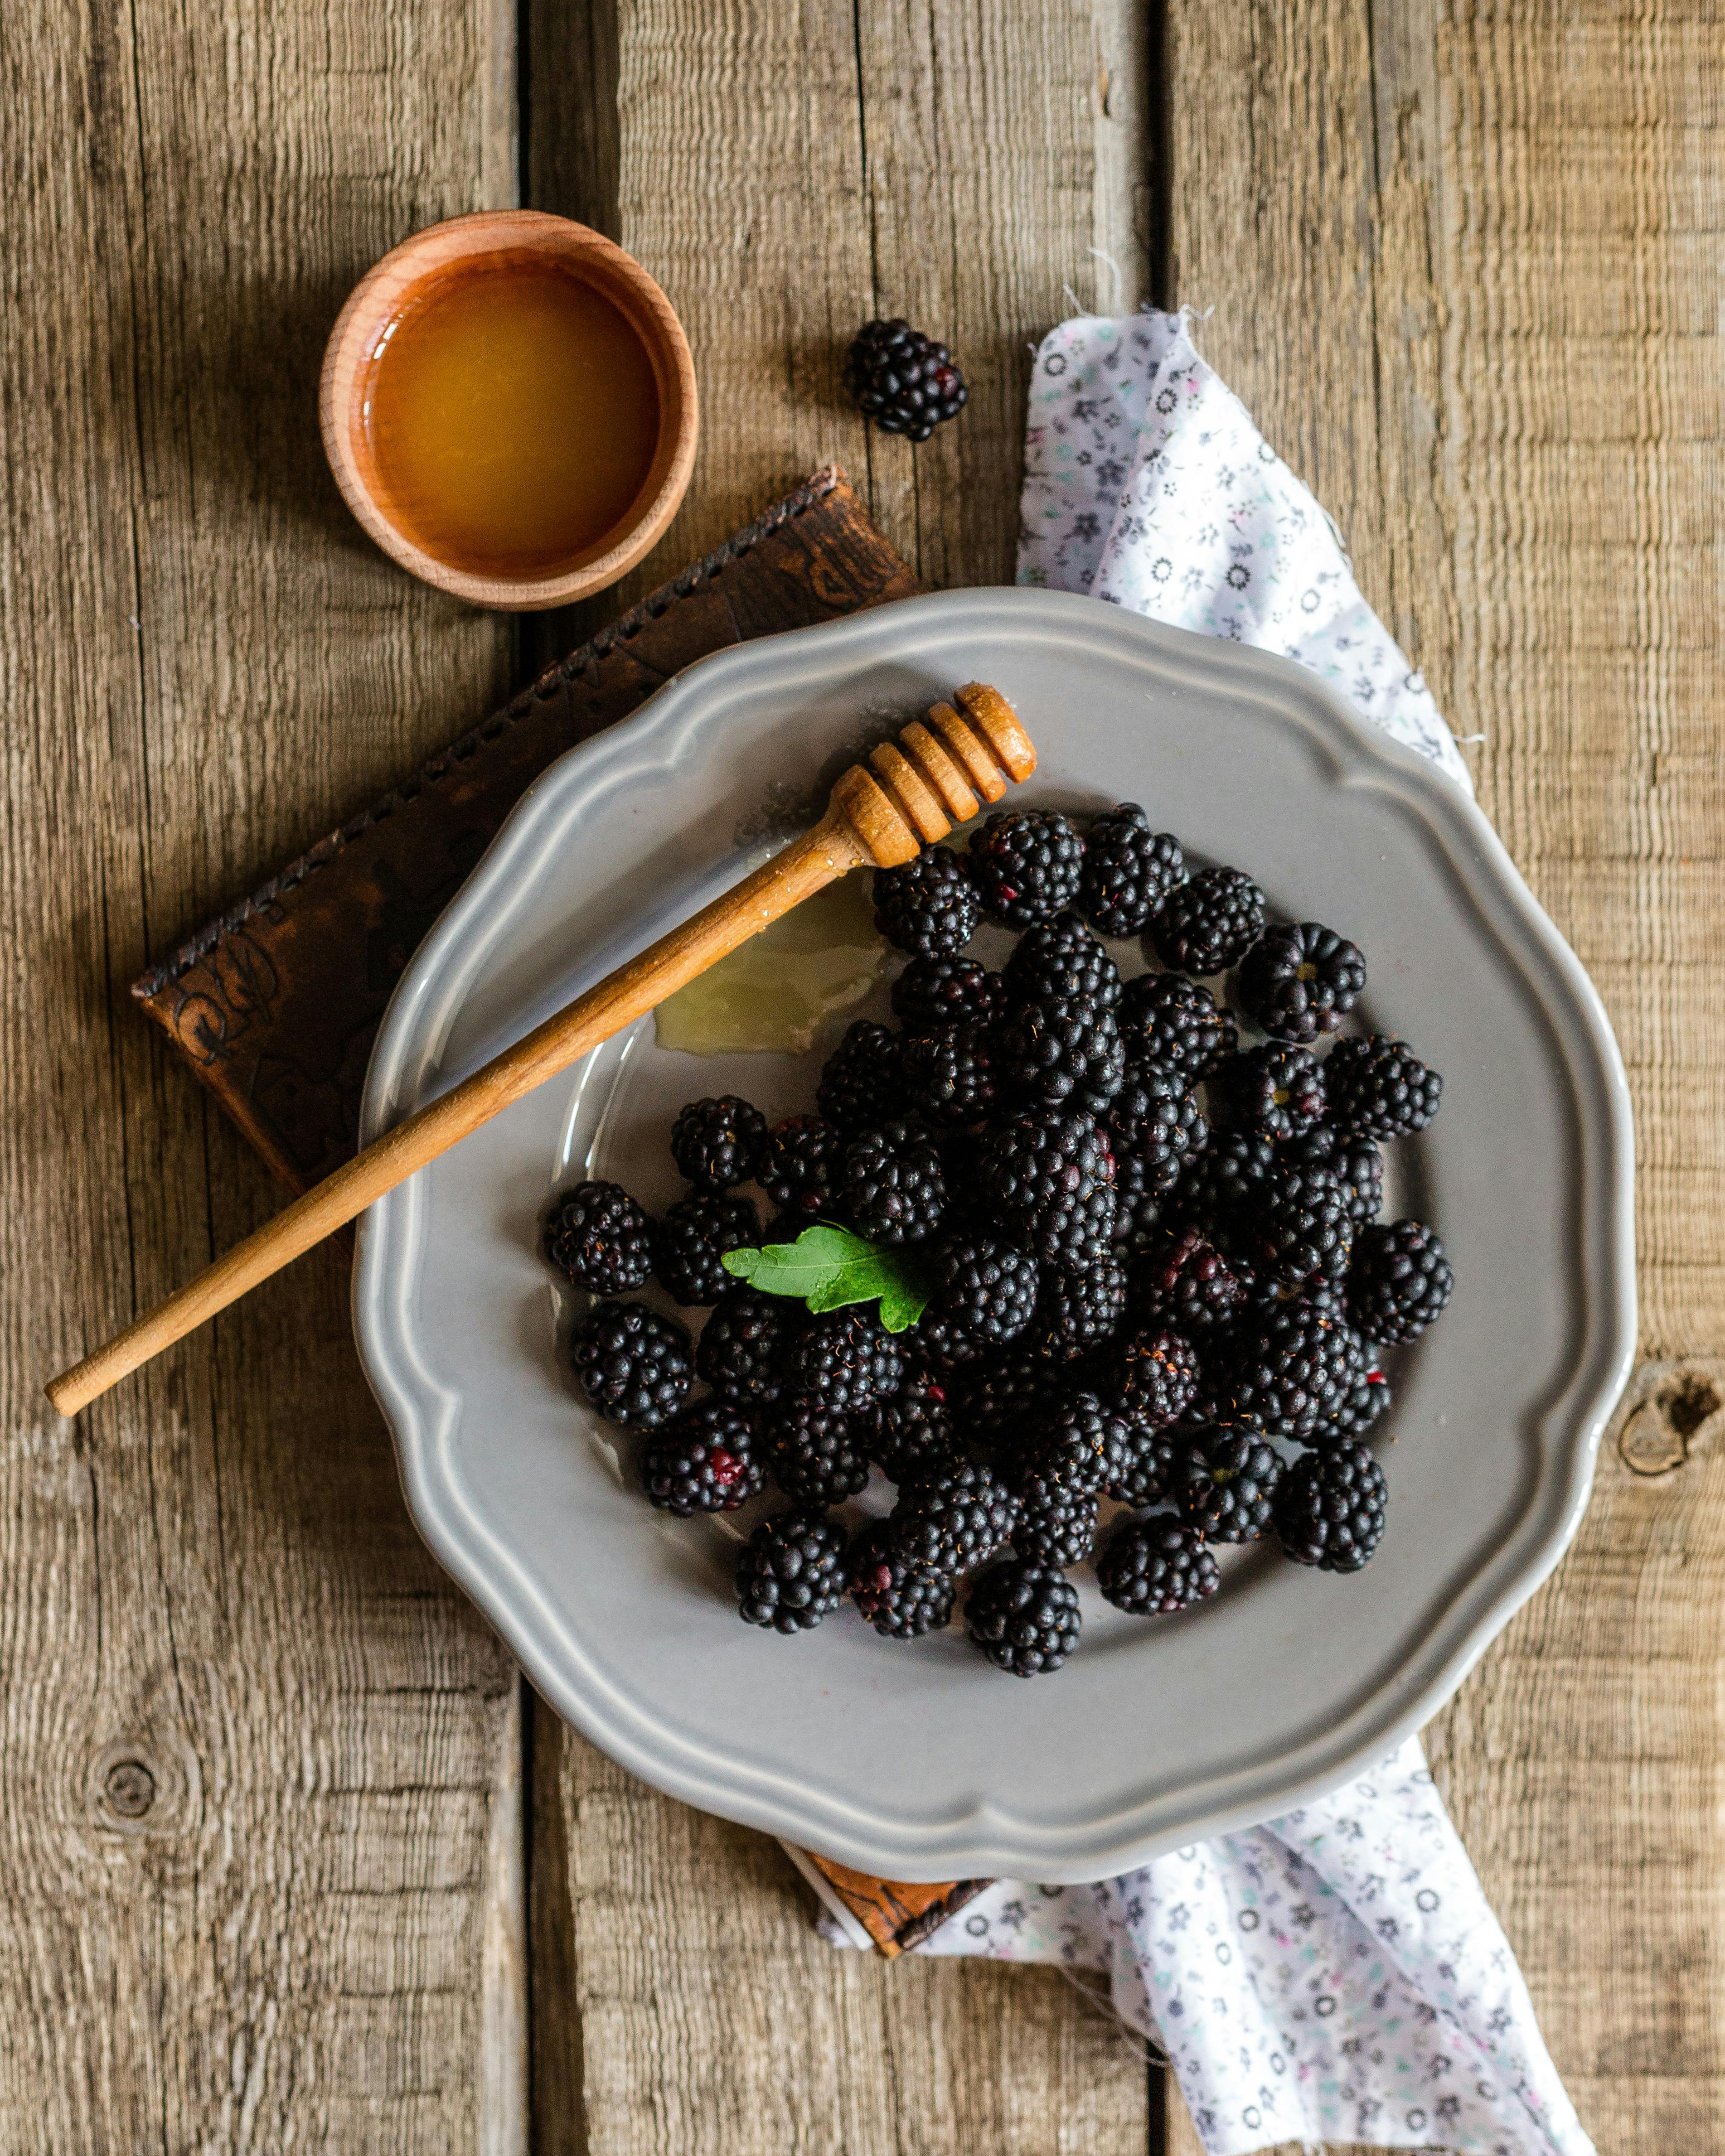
point(508, 404)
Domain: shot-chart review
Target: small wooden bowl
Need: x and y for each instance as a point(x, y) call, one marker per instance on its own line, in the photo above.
point(440, 252)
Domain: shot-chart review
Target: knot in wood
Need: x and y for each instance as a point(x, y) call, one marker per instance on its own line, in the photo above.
point(129, 1788)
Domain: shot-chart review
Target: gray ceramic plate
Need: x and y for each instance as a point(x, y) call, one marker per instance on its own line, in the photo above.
point(919, 1761)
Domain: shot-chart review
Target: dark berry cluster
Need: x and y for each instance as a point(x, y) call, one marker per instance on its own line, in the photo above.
point(1126, 1306)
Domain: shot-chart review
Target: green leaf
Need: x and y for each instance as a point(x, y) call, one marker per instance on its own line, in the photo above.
point(803, 1268)
point(903, 1301)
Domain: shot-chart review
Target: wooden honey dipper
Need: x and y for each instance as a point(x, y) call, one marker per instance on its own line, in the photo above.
point(918, 787)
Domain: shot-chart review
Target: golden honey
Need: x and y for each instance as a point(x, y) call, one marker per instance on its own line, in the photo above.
point(513, 414)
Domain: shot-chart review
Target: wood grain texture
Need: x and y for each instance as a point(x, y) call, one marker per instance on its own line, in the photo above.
point(1463, 265)
point(251, 1737)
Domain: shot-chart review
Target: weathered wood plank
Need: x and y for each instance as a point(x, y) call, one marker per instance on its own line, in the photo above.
point(251, 1738)
point(1463, 265)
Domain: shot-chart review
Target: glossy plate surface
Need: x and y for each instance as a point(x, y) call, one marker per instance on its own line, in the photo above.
point(918, 1761)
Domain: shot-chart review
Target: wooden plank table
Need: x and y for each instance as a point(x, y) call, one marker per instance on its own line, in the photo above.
point(289, 1858)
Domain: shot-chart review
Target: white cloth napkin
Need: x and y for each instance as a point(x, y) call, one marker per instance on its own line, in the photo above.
point(1337, 1974)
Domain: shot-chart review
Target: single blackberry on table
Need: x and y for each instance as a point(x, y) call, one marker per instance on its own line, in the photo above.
point(1024, 1616)
point(799, 1164)
point(953, 1518)
point(742, 1346)
point(846, 1360)
point(1158, 1376)
point(1055, 1525)
point(1077, 1311)
point(1363, 1406)
point(693, 1238)
point(928, 905)
point(1150, 1465)
point(899, 1600)
point(1226, 1485)
point(1229, 1175)
point(1184, 1281)
point(600, 1238)
point(704, 1461)
point(1354, 1161)
point(906, 382)
point(1058, 959)
point(1153, 1568)
point(912, 1432)
point(892, 1190)
point(942, 991)
point(717, 1143)
point(1329, 1511)
point(1065, 1052)
point(1081, 1443)
point(1026, 864)
point(1176, 1024)
point(1000, 1400)
point(633, 1366)
point(1299, 981)
point(1156, 1115)
point(986, 1286)
point(863, 1082)
point(1210, 924)
point(1049, 1181)
point(1128, 871)
point(1400, 1282)
point(1380, 1088)
point(1301, 1229)
point(1277, 1089)
point(816, 1454)
point(790, 1573)
point(951, 1074)
point(1288, 1377)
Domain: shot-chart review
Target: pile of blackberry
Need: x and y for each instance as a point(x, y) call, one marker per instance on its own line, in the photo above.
point(1145, 1210)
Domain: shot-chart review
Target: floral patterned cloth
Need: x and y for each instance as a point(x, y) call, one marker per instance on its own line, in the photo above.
point(1337, 1974)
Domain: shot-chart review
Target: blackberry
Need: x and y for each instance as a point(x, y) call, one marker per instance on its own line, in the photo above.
point(1380, 1088)
point(1168, 1020)
point(1228, 1176)
point(1296, 983)
point(1210, 924)
point(844, 1360)
point(1077, 1311)
point(1301, 1229)
point(942, 991)
point(1288, 1377)
point(632, 1365)
point(942, 1342)
point(816, 1453)
point(986, 1286)
point(1128, 871)
point(1050, 1180)
point(913, 1432)
point(799, 1164)
point(1144, 1204)
point(704, 1461)
point(1058, 959)
point(863, 1082)
point(1005, 1397)
point(1156, 1115)
point(1056, 1525)
point(1026, 864)
point(950, 1074)
point(790, 1573)
point(1023, 1616)
point(1159, 1377)
point(899, 1600)
point(1153, 1568)
point(1226, 1485)
point(1065, 1052)
point(1364, 1405)
point(1355, 1162)
point(1329, 1511)
point(1082, 1445)
point(1400, 1282)
point(953, 1518)
point(717, 1143)
point(695, 1235)
point(892, 1190)
point(1187, 1283)
point(600, 1238)
point(742, 1346)
point(904, 381)
point(927, 906)
point(1151, 1460)
point(1274, 1089)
